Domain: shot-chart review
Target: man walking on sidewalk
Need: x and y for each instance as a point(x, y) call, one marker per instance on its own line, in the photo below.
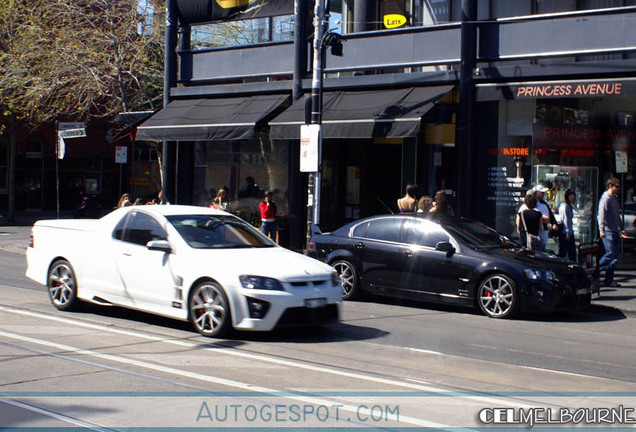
point(611, 230)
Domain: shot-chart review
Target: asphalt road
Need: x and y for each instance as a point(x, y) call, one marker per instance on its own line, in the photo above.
point(388, 364)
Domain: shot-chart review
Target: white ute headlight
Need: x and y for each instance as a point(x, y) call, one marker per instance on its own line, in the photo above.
point(335, 279)
point(539, 274)
point(260, 282)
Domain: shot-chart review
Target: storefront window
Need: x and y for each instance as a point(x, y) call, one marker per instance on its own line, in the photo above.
point(233, 165)
point(563, 143)
point(93, 181)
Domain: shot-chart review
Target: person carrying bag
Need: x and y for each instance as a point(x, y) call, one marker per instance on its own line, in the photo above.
point(531, 220)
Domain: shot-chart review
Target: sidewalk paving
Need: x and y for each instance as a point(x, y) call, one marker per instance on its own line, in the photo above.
point(610, 300)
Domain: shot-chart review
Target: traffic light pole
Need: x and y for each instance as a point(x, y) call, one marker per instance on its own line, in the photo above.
point(315, 179)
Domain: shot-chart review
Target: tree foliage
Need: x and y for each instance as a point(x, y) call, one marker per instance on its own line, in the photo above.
point(73, 60)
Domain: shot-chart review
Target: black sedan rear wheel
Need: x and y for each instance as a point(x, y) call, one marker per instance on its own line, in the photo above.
point(348, 278)
point(497, 296)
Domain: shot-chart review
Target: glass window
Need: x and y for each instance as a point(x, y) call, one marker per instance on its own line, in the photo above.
point(140, 228)
point(424, 233)
point(93, 173)
point(218, 232)
point(387, 229)
point(243, 32)
point(360, 230)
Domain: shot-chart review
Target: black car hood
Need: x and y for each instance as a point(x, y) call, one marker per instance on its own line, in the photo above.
point(531, 259)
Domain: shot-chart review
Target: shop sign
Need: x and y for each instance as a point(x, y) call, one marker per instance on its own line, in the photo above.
point(621, 162)
point(569, 90)
point(557, 89)
point(576, 137)
point(394, 21)
point(141, 181)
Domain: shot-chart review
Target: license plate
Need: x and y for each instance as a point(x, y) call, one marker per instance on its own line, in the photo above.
point(315, 303)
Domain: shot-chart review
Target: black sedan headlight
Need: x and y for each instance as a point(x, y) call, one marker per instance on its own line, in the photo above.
point(539, 274)
point(260, 283)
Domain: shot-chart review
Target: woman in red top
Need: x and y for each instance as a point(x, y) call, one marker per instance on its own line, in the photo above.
point(268, 215)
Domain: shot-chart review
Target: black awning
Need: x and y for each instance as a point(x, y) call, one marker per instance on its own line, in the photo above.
point(210, 118)
point(394, 113)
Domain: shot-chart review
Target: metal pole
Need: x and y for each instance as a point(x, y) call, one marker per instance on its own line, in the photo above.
point(57, 170)
point(320, 24)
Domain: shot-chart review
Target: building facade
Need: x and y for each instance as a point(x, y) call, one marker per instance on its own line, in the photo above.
point(480, 98)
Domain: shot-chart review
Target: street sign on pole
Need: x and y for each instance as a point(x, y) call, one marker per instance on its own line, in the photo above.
point(121, 154)
point(68, 125)
point(309, 136)
point(621, 162)
point(72, 133)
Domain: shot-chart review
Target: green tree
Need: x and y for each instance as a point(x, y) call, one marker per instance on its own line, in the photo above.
point(78, 59)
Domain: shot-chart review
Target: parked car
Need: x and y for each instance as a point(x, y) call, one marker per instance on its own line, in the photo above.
point(630, 218)
point(183, 262)
point(448, 260)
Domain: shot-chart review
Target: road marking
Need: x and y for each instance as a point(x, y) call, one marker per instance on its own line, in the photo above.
point(419, 386)
point(211, 379)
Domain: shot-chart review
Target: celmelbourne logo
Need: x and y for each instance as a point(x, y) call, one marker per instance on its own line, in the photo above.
point(394, 21)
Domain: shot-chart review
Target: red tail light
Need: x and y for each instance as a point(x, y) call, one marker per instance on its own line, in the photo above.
point(31, 239)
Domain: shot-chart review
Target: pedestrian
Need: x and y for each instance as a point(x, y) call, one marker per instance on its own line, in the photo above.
point(544, 209)
point(611, 230)
point(440, 206)
point(567, 244)
point(408, 203)
point(139, 201)
point(529, 223)
point(268, 211)
point(424, 204)
point(221, 202)
point(124, 200)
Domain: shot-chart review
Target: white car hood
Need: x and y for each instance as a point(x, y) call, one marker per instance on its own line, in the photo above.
point(274, 262)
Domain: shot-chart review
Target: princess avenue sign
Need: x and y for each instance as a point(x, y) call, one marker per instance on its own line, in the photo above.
point(569, 90)
point(557, 89)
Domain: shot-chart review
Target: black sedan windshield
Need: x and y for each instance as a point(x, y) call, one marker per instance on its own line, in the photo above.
point(212, 231)
point(478, 235)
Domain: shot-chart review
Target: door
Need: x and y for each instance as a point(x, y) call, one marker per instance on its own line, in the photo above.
point(147, 276)
point(438, 272)
point(380, 252)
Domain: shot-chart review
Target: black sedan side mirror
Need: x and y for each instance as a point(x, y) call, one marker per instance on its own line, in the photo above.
point(445, 246)
point(159, 245)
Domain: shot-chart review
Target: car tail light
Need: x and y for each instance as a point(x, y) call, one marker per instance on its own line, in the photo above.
point(31, 240)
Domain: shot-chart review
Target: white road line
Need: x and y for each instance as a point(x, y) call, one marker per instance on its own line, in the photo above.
point(55, 415)
point(415, 386)
point(211, 379)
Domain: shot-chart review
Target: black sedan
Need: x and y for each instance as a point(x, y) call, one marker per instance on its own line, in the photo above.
point(448, 260)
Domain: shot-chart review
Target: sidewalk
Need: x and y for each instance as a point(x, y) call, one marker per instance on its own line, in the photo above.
point(622, 298)
point(611, 300)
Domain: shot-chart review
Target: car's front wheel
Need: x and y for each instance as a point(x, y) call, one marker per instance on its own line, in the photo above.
point(62, 286)
point(498, 296)
point(209, 310)
point(348, 278)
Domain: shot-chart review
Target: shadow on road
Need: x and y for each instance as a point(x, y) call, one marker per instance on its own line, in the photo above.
point(327, 333)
